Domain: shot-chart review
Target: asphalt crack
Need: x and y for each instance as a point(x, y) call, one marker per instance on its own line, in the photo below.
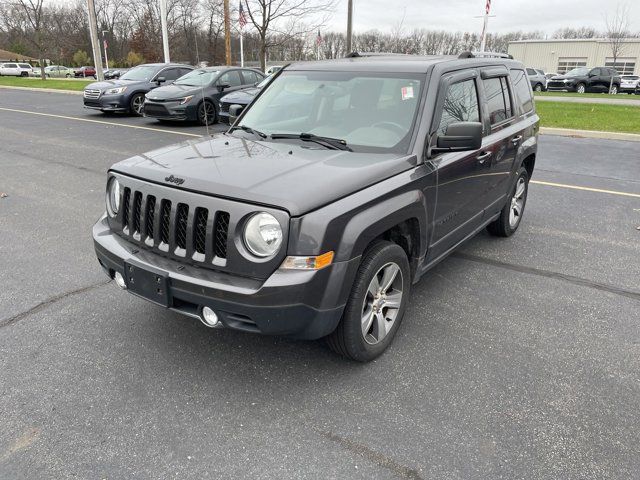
point(603, 287)
point(373, 456)
point(50, 301)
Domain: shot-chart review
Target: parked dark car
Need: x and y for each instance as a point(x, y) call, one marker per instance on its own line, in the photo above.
point(85, 72)
point(114, 73)
point(584, 79)
point(538, 79)
point(126, 94)
point(195, 97)
point(317, 221)
point(240, 97)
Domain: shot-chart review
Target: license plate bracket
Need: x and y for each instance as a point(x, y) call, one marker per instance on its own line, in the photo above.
point(147, 282)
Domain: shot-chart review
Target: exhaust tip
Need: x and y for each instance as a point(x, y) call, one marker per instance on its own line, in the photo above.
point(209, 317)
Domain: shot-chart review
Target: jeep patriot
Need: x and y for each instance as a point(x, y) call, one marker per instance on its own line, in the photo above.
point(334, 191)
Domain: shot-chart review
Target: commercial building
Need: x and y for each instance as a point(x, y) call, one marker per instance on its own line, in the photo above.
point(562, 55)
point(7, 56)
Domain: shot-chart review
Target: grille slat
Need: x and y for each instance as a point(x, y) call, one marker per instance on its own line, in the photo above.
point(182, 215)
point(221, 234)
point(149, 217)
point(165, 221)
point(200, 230)
point(126, 196)
point(135, 213)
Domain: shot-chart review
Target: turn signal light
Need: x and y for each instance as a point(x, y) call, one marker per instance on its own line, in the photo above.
point(308, 263)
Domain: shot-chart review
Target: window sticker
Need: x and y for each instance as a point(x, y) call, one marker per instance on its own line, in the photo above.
point(407, 92)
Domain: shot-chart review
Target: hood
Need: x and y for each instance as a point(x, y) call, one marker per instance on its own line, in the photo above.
point(295, 177)
point(241, 96)
point(174, 91)
point(111, 83)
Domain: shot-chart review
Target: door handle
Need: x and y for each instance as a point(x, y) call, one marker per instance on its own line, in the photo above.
point(483, 157)
point(516, 140)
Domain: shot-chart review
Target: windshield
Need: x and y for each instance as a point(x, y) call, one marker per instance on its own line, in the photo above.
point(580, 71)
point(197, 78)
point(139, 73)
point(371, 112)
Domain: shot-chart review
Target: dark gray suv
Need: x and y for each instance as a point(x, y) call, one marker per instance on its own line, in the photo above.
point(313, 219)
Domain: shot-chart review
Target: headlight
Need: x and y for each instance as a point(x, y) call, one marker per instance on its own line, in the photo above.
point(263, 235)
point(185, 99)
point(113, 197)
point(115, 91)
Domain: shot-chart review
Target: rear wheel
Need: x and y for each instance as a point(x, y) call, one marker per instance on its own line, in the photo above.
point(376, 304)
point(511, 215)
point(581, 88)
point(614, 89)
point(136, 104)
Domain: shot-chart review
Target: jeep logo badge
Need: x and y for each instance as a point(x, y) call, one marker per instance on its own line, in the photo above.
point(176, 180)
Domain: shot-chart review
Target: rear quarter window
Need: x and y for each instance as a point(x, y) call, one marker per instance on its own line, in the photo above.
point(522, 89)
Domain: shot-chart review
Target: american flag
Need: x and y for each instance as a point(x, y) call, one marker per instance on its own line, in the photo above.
point(242, 20)
point(488, 6)
point(106, 45)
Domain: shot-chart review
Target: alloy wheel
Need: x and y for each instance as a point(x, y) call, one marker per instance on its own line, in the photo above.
point(517, 203)
point(137, 104)
point(207, 113)
point(382, 303)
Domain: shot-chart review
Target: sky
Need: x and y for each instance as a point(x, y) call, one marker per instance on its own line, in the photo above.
point(454, 15)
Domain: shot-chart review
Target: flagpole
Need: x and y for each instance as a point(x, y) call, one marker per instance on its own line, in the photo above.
point(483, 41)
point(241, 48)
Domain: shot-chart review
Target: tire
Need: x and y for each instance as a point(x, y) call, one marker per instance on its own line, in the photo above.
point(136, 104)
point(67, 75)
point(211, 117)
point(581, 88)
point(614, 89)
point(511, 215)
point(350, 339)
point(538, 87)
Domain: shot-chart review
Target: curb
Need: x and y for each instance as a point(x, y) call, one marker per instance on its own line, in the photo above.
point(47, 90)
point(568, 132)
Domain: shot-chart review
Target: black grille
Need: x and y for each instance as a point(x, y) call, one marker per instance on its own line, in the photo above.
point(224, 107)
point(125, 207)
point(200, 230)
point(165, 221)
point(148, 216)
point(151, 109)
point(222, 231)
point(182, 215)
point(176, 230)
point(135, 213)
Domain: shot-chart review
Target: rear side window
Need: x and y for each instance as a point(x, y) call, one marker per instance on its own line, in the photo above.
point(24, 65)
point(522, 89)
point(460, 105)
point(498, 99)
point(250, 77)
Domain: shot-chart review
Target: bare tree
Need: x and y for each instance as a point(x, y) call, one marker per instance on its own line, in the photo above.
point(278, 21)
point(617, 32)
point(33, 12)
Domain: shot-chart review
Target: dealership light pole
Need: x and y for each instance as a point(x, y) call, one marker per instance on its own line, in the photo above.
point(165, 33)
point(227, 33)
point(349, 25)
point(95, 43)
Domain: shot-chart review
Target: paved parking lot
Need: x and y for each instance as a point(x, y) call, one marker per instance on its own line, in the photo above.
point(517, 358)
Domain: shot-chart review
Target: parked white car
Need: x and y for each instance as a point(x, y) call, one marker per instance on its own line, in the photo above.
point(629, 83)
point(15, 69)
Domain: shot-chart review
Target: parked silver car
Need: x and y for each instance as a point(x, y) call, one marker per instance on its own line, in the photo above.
point(538, 79)
point(629, 83)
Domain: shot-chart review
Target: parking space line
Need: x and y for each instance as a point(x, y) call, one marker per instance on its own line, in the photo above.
point(586, 189)
point(99, 121)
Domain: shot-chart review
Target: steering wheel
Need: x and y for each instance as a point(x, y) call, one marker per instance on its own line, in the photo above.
point(393, 126)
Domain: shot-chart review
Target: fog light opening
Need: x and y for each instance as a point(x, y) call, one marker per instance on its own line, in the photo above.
point(120, 280)
point(209, 317)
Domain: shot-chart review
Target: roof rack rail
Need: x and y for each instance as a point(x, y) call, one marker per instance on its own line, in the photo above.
point(485, 55)
point(373, 54)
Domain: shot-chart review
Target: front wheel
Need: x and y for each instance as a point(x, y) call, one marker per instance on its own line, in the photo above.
point(614, 90)
point(538, 87)
point(376, 304)
point(511, 215)
point(581, 88)
point(206, 113)
point(136, 105)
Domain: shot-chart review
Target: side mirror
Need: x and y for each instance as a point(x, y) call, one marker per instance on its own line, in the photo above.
point(234, 112)
point(459, 137)
point(223, 86)
point(160, 80)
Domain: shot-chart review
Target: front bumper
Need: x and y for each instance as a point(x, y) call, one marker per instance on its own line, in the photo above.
point(301, 304)
point(170, 111)
point(107, 103)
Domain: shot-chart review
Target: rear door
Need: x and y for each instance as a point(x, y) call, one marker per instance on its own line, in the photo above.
point(505, 134)
point(459, 206)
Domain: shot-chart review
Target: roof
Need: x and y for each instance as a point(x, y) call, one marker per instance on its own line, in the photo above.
point(6, 55)
point(569, 40)
point(395, 63)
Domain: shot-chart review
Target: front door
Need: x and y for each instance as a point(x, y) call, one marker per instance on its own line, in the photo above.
point(460, 183)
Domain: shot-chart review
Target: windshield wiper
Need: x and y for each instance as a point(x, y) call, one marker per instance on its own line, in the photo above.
point(332, 143)
point(247, 129)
